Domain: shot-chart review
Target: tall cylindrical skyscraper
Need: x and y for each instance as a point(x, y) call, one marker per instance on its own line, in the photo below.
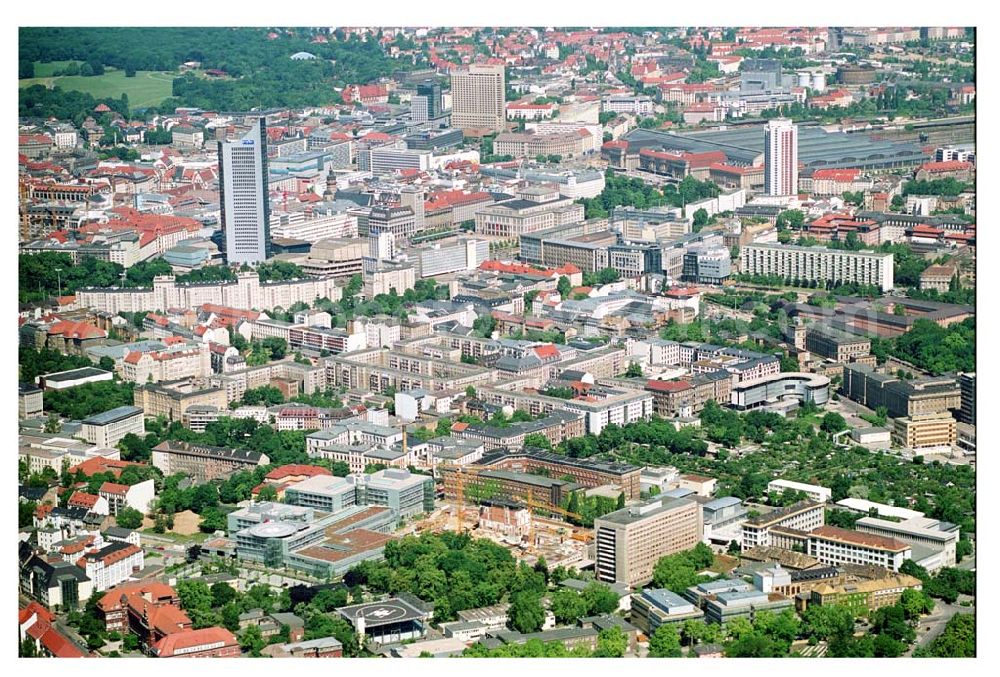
point(781, 158)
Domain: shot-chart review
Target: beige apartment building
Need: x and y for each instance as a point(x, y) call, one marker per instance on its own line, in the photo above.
point(925, 430)
point(173, 399)
point(477, 98)
point(836, 345)
point(192, 360)
point(818, 263)
point(631, 541)
point(524, 144)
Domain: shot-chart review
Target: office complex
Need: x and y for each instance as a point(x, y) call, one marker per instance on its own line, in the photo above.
point(818, 263)
point(900, 397)
point(631, 541)
point(243, 196)
point(477, 98)
point(802, 516)
point(835, 546)
point(781, 158)
point(425, 104)
point(106, 429)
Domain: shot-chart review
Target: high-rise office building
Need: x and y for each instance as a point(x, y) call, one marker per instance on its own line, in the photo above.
point(426, 103)
point(477, 97)
point(631, 541)
point(243, 196)
point(781, 158)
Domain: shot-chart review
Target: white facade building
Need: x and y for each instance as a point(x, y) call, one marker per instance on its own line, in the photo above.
point(781, 158)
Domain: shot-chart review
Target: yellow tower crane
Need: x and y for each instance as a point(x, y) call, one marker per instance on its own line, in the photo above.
point(532, 505)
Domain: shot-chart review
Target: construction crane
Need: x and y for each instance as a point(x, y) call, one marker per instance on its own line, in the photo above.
point(531, 504)
point(460, 473)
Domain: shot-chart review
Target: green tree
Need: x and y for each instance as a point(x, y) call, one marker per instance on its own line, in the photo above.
point(222, 594)
point(568, 606)
point(526, 614)
point(833, 422)
point(600, 599)
point(564, 287)
point(611, 643)
point(251, 640)
point(129, 518)
point(634, 370)
point(665, 642)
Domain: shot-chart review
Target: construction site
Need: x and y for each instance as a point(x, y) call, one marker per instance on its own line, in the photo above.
point(531, 528)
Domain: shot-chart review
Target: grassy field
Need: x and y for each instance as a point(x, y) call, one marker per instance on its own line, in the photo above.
point(147, 88)
point(45, 70)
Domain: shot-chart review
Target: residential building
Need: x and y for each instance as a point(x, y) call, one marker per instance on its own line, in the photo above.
point(818, 263)
point(781, 157)
point(136, 496)
point(204, 463)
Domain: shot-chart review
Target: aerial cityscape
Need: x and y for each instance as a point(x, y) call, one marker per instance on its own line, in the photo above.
point(497, 342)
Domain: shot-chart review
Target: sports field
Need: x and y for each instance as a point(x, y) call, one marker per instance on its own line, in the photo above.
point(147, 88)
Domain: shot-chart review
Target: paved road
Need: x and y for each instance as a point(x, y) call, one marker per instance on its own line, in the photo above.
point(936, 622)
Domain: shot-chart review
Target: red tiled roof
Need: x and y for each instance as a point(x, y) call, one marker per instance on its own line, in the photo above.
point(667, 386)
point(546, 351)
point(946, 166)
point(54, 641)
point(296, 469)
point(858, 538)
point(836, 174)
point(176, 641)
point(82, 499)
point(118, 555)
point(156, 590)
point(98, 464)
point(76, 330)
point(113, 488)
point(34, 608)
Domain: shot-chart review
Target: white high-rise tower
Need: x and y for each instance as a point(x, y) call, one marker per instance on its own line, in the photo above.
point(243, 196)
point(781, 158)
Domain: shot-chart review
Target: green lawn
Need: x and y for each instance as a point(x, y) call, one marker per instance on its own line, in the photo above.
point(147, 88)
point(45, 70)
